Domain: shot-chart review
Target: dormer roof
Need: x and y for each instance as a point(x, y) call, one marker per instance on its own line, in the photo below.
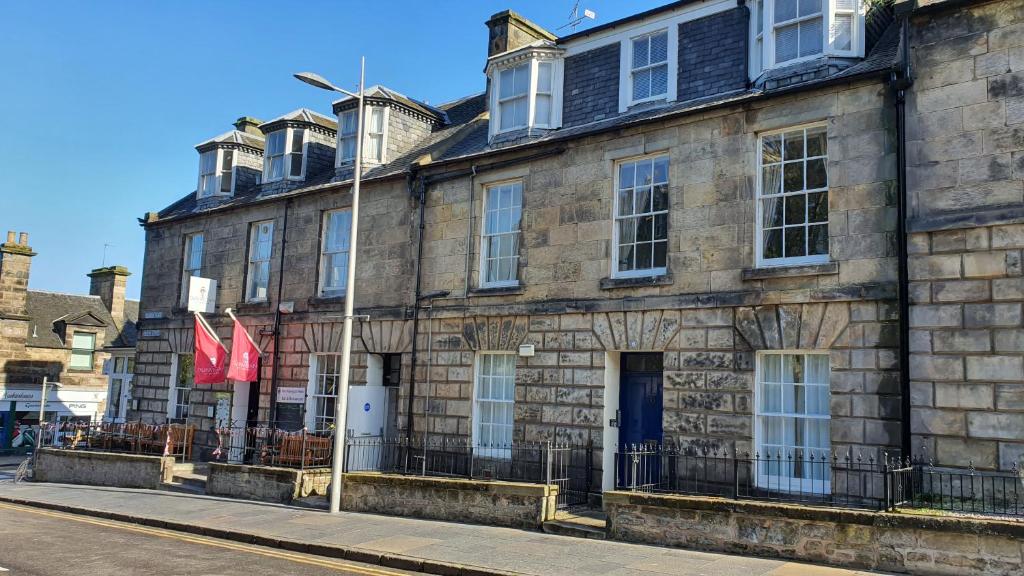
point(232, 139)
point(300, 117)
point(383, 95)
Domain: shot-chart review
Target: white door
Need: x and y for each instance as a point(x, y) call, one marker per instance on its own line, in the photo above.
point(239, 413)
point(119, 390)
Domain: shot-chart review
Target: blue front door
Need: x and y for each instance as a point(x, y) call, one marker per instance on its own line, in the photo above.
point(640, 400)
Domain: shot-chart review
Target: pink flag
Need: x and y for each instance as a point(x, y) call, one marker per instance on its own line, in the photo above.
point(244, 356)
point(210, 355)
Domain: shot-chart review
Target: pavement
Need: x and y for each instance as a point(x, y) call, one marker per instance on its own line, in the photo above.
point(37, 542)
point(404, 543)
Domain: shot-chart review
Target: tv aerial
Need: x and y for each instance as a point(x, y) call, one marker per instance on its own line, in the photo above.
point(575, 19)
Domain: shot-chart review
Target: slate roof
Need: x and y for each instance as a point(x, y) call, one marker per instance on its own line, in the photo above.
point(235, 137)
point(383, 92)
point(45, 309)
point(465, 134)
point(301, 115)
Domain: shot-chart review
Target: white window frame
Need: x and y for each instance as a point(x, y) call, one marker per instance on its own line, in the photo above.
point(317, 374)
point(217, 175)
point(173, 412)
point(626, 63)
point(647, 37)
point(286, 155)
point(325, 252)
point(252, 260)
point(385, 115)
point(341, 159)
point(125, 375)
point(485, 236)
point(533, 69)
point(759, 260)
point(647, 272)
point(91, 351)
point(188, 268)
point(829, 9)
point(491, 451)
point(785, 482)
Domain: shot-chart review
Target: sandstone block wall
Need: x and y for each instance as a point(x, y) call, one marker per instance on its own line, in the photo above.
point(102, 468)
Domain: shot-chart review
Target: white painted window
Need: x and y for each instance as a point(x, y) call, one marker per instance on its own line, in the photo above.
point(285, 155)
point(494, 403)
point(640, 233)
point(526, 95)
point(788, 31)
point(347, 136)
point(192, 262)
point(792, 207)
point(216, 172)
point(503, 210)
point(792, 420)
point(375, 134)
point(83, 350)
point(122, 369)
point(261, 240)
point(334, 252)
point(649, 69)
point(322, 391)
point(180, 392)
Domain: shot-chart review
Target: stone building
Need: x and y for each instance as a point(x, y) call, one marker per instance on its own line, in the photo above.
point(680, 227)
point(86, 344)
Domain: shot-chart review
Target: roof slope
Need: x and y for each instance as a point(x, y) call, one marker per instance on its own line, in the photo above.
point(46, 308)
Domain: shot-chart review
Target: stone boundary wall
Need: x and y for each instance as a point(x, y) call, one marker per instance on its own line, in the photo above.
point(103, 468)
point(958, 546)
point(265, 483)
point(512, 504)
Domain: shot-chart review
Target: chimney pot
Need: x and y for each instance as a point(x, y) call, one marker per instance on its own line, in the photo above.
point(10, 236)
point(249, 125)
point(23, 239)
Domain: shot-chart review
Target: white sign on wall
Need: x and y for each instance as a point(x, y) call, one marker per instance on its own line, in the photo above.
point(202, 295)
point(291, 395)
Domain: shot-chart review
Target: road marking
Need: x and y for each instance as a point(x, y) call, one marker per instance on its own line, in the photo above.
point(252, 549)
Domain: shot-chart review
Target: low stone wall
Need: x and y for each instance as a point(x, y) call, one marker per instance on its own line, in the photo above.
point(512, 504)
point(880, 541)
point(265, 483)
point(102, 468)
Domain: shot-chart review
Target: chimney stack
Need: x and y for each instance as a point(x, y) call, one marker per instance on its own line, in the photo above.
point(111, 284)
point(249, 125)
point(15, 265)
point(508, 31)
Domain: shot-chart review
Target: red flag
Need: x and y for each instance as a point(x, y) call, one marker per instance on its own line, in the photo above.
point(210, 355)
point(244, 356)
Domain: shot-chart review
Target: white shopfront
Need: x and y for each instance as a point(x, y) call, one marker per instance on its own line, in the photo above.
point(66, 404)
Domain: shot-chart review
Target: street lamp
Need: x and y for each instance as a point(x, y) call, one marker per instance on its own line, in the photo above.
point(341, 406)
point(42, 412)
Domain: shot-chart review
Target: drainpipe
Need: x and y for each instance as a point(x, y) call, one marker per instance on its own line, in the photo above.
point(900, 80)
point(422, 190)
point(469, 235)
point(274, 372)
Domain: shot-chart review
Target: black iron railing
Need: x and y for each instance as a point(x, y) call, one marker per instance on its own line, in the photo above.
point(267, 446)
point(826, 479)
point(568, 466)
point(921, 485)
point(130, 437)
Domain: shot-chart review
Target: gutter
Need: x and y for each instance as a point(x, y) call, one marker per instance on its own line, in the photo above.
point(900, 80)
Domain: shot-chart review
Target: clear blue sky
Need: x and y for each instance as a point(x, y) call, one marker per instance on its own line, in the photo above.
point(102, 102)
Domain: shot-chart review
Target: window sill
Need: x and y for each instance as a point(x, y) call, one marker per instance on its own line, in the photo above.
point(255, 306)
point(635, 282)
point(498, 290)
point(792, 271)
point(325, 301)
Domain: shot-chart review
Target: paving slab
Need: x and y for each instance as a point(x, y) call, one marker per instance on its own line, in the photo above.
point(440, 547)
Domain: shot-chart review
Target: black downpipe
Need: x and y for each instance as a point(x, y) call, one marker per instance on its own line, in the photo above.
point(900, 81)
point(277, 319)
point(415, 184)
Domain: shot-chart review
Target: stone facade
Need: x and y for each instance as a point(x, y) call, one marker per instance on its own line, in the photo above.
point(965, 192)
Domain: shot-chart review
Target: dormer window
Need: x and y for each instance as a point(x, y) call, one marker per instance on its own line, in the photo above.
point(375, 120)
point(649, 73)
point(525, 95)
point(285, 155)
point(788, 31)
point(216, 172)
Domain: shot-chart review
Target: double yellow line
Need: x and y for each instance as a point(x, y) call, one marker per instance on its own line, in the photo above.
point(248, 548)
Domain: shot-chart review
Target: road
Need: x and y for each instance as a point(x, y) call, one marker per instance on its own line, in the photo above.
point(36, 542)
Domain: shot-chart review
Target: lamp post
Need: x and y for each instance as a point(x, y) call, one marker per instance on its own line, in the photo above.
point(341, 406)
point(42, 412)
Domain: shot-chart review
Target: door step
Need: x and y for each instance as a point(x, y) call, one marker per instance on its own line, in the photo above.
point(567, 528)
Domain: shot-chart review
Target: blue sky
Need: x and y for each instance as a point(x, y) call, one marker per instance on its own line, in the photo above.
point(102, 102)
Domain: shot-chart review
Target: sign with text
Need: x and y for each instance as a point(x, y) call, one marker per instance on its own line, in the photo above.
point(202, 295)
point(291, 395)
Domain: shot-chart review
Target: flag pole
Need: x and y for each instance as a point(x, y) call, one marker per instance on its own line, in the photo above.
point(210, 329)
point(251, 341)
